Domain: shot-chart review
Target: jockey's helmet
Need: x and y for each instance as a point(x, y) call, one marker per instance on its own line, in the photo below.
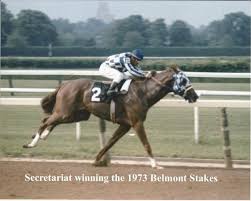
point(138, 54)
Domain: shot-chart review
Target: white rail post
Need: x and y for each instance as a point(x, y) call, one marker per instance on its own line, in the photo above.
point(226, 139)
point(11, 85)
point(78, 131)
point(196, 125)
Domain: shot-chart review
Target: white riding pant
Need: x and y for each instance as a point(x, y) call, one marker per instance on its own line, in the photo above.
point(112, 73)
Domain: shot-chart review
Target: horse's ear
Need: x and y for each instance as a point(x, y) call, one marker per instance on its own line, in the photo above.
point(175, 67)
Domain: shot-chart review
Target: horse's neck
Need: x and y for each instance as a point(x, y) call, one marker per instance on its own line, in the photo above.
point(154, 91)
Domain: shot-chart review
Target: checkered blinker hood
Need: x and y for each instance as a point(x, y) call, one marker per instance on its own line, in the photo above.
point(181, 82)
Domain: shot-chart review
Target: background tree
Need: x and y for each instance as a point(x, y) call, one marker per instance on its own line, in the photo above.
point(233, 30)
point(32, 27)
point(79, 33)
point(16, 40)
point(36, 27)
point(84, 42)
point(214, 33)
point(6, 23)
point(87, 33)
point(65, 32)
point(65, 39)
point(180, 34)
point(133, 39)
point(157, 33)
point(115, 36)
point(237, 26)
point(198, 36)
point(63, 25)
point(90, 28)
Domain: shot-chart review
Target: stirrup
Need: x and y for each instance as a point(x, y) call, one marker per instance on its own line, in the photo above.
point(111, 92)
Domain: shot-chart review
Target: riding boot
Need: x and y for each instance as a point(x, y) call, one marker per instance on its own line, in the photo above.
point(112, 89)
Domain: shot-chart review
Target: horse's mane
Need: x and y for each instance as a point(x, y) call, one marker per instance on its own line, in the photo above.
point(175, 68)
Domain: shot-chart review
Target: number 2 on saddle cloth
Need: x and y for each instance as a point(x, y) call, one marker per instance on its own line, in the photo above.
point(99, 92)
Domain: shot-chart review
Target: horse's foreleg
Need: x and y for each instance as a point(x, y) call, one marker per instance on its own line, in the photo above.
point(140, 130)
point(121, 130)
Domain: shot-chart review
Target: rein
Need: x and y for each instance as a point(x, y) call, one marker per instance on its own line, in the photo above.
point(160, 83)
point(157, 81)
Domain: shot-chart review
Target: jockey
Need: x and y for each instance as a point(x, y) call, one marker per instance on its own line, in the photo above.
point(122, 66)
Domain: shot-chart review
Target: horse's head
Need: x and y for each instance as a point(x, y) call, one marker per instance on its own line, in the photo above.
point(174, 80)
point(183, 87)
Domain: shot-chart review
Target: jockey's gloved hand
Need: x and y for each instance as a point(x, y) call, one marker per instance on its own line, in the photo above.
point(148, 75)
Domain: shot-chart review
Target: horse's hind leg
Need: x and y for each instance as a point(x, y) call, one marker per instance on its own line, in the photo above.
point(49, 123)
point(80, 115)
point(43, 121)
point(47, 126)
point(47, 131)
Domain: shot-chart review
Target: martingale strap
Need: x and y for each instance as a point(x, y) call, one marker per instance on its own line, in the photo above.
point(163, 85)
point(157, 81)
point(112, 111)
point(160, 83)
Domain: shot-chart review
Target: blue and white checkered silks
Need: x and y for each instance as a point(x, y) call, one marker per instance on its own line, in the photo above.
point(181, 82)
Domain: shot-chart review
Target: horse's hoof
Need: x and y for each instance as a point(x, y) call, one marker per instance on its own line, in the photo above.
point(26, 146)
point(103, 163)
point(158, 167)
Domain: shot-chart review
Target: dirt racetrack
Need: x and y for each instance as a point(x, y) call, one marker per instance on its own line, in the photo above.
point(224, 184)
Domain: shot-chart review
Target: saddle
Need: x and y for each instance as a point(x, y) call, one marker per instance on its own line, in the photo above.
point(99, 94)
point(99, 91)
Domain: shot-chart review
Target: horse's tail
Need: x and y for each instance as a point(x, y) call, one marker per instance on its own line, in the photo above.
point(48, 102)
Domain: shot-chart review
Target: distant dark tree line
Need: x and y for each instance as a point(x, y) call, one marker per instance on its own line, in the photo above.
point(34, 28)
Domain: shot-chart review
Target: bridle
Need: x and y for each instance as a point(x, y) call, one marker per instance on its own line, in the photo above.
point(164, 86)
point(187, 89)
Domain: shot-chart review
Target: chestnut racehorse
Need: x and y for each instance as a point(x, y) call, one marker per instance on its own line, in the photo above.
point(71, 102)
